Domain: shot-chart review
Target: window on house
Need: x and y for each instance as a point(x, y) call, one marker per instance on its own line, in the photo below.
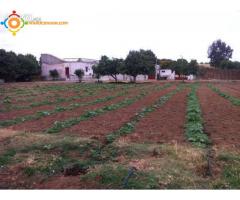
point(163, 71)
point(86, 68)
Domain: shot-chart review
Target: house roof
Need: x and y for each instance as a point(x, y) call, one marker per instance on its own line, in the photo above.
point(53, 60)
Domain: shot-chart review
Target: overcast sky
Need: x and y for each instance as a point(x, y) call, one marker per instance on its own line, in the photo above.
point(171, 28)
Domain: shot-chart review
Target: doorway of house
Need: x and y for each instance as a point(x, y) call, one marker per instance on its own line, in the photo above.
point(67, 72)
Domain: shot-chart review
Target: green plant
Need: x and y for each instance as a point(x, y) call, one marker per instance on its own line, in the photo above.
point(7, 157)
point(80, 74)
point(194, 126)
point(114, 177)
point(128, 127)
point(235, 101)
point(54, 74)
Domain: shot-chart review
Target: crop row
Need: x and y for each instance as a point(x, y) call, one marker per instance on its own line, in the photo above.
point(36, 91)
point(60, 125)
point(57, 100)
point(129, 127)
point(194, 126)
point(58, 109)
point(235, 101)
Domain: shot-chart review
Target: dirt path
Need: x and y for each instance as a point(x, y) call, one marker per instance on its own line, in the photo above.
point(165, 125)
point(221, 118)
point(111, 121)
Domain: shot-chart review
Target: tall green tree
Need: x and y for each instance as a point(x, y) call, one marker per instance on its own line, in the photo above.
point(28, 66)
point(8, 65)
point(18, 67)
point(180, 67)
point(110, 67)
point(192, 68)
point(139, 62)
point(218, 52)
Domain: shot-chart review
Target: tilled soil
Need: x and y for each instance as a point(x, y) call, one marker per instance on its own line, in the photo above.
point(46, 122)
point(165, 125)
point(230, 90)
point(112, 121)
point(221, 118)
point(20, 113)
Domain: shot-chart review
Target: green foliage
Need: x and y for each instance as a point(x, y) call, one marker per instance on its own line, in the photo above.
point(60, 125)
point(58, 109)
point(140, 62)
point(218, 52)
point(227, 64)
point(235, 101)
point(232, 176)
point(128, 127)
point(194, 127)
point(80, 74)
point(107, 66)
point(18, 67)
point(6, 157)
point(54, 74)
point(7, 100)
point(113, 177)
point(181, 66)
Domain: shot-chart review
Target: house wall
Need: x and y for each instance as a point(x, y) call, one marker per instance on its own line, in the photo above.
point(124, 77)
point(46, 68)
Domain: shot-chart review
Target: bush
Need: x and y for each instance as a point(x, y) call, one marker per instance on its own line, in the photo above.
point(80, 74)
point(54, 74)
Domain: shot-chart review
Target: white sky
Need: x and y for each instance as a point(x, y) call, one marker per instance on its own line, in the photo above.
point(171, 28)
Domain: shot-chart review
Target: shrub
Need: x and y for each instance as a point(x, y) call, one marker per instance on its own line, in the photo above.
point(54, 74)
point(79, 73)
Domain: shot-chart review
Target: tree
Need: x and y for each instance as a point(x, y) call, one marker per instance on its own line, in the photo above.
point(166, 63)
point(192, 68)
point(180, 67)
point(54, 74)
point(8, 65)
point(110, 67)
point(227, 64)
point(80, 74)
point(218, 52)
point(139, 62)
point(17, 67)
point(28, 66)
point(96, 71)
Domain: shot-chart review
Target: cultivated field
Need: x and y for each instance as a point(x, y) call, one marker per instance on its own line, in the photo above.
point(160, 135)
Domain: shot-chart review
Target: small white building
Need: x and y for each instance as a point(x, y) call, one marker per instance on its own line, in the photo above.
point(66, 67)
point(167, 74)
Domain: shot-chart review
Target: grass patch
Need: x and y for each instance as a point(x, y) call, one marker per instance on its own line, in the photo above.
point(114, 177)
point(7, 157)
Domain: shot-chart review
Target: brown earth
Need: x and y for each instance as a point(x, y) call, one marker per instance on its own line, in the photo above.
point(221, 118)
point(231, 90)
point(46, 122)
point(20, 113)
point(165, 125)
point(111, 121)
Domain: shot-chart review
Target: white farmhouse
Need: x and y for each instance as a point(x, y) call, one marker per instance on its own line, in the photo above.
point(66, 68)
